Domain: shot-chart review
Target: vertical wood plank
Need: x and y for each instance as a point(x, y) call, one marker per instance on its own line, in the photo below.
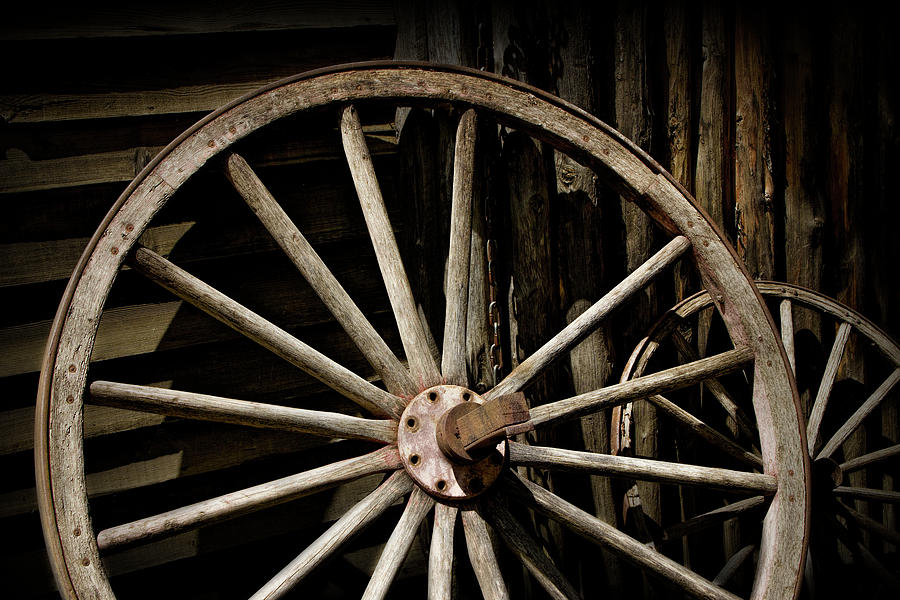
point(634, 118)
point(755, 202)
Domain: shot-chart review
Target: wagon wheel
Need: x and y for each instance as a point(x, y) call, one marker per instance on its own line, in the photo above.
point(859, 349)
point(441, 455)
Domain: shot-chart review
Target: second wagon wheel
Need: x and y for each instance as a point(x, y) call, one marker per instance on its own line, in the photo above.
point(853, 372)
point(444, 447)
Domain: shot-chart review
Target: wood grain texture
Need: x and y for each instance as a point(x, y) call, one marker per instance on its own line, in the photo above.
point(754, 180)
point(825, 385)
point(596, 530)
point(259, 497)
point(440, 557)
point(642, 387)
point(190, 405)
point(713, 518)
point(866, 459)
point(588, 320)
point(353, 521)
point(527, 549)
point(265, 333)
point(482, 556)
point(641, 469)
point(424, 370)
point(453, 356)
point(327, 287)
point(398, 545)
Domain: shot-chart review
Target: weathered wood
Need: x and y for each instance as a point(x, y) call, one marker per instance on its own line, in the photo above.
point(17, 426)
point(198, 454)
point(786, 316)
point(629, 548)
point(353, 521)
point(440, 557)
point(398, 545)
point(588, 321)
point(319, 276)
point(713, 174)
point(825, 385)
point(734, 563)
point(641, 469)
point(634, 118)
point(712, 518)
point(867, 494)
point(190, 405)
point(256, 498)
point(528, 551)
point(482, 557)
point(642, 387)
point(265, 333)
point(859, 415)
point(718, 390)
point(453, 365)
point(865, 460)
point(424, 371)
point(705, 432)
point(754, 180)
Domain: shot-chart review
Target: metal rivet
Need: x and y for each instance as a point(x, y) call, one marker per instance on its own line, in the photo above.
point(114, 250)
point(72, 368)
point(211, 144)
point(768, 363)
point(129, 228)
point(85, 561)
point(70, 399)
point(77, 531)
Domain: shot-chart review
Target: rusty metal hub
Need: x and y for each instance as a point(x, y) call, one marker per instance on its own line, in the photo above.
point(442, 475)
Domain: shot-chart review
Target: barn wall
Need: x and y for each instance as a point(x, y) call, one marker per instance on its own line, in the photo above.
point(781, 120)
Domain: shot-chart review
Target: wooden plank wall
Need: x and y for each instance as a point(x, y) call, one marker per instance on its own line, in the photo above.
point(781, 120)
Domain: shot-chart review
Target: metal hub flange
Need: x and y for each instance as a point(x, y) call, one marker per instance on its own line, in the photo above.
point(423, 458)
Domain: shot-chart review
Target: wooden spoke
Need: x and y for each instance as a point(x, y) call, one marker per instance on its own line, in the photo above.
point(415, 343)
point(453, 361)
point(861, 413)
point(869, 524)
point(786, 311)
point(888, 496)
point(734, 563)
point(578, 329)
point(594, 529)
point(353, 521)
point(831, 367)
point(713, 517)
point(176, 403)
point(440, 557)
point(265, 333)
point(395, 376)
point(641, 469)
point(855, 464)
point(716, 388)
point(482, 557)
point(706, 432)
point(528, 550)
point(398, 545)
point(649, 385)
point(248, 500)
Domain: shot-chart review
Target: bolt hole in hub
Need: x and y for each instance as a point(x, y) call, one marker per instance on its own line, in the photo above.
point(429, 466)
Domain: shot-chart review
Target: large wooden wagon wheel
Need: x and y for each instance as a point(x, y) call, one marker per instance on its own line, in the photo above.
point(870, 362)
point(442, 450)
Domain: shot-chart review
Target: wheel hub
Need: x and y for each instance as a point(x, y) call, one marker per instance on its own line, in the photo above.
point(429, 466)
